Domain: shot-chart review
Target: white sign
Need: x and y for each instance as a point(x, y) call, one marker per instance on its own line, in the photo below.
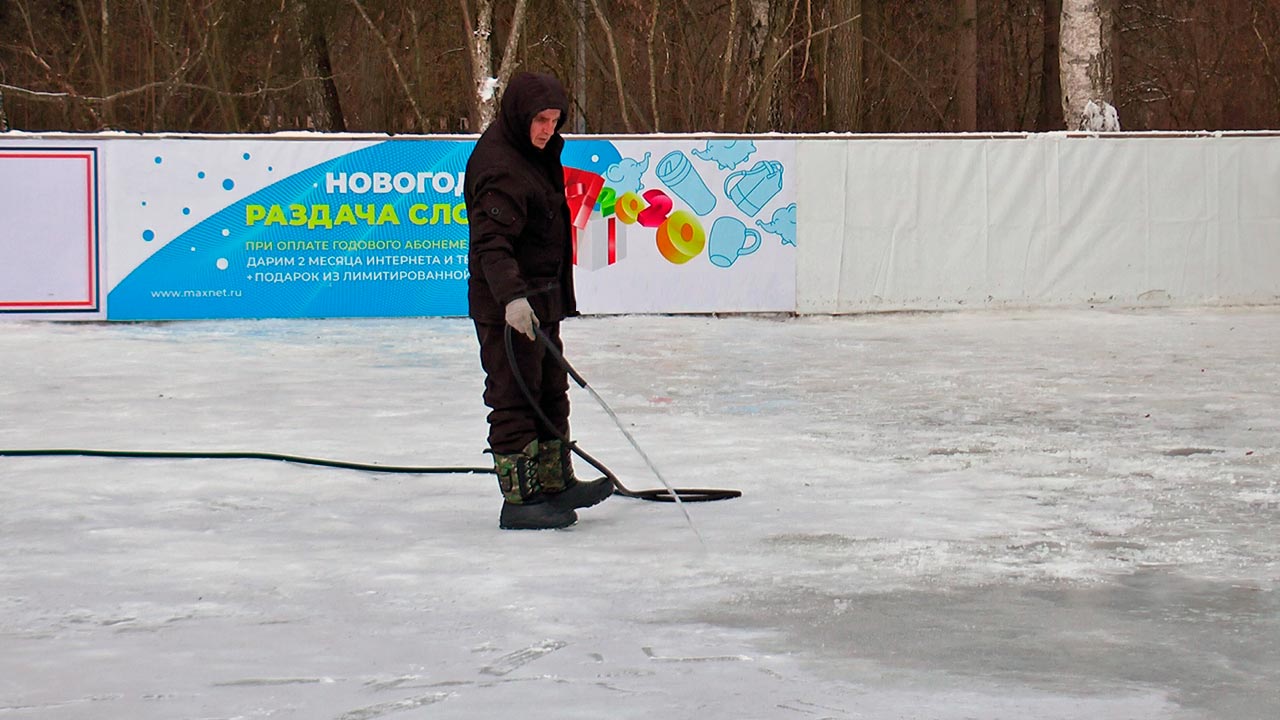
point(49, 230)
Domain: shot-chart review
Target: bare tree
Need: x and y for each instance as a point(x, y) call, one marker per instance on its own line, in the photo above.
point(1263, 23)
point(726, 70)
point(773, 70)
point(317, 68)
point(580, 66)
point(1051, 106)
point(905, 87)
point(767, 32)
point(842, 76)
point(670, 65)
point(612, 45)
point(1087, 63)
point(420, 123)
point(485, 100)
point(653, 66)
point(967, 65)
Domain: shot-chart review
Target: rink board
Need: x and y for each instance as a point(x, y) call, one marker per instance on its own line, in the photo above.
point(275, 227)
point(134, 227)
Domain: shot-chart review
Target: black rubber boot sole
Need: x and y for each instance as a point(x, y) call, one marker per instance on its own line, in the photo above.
point(535, 516)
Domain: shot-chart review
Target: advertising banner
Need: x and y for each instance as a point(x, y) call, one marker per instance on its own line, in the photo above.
point(247, 228)
point(683, 225)
point(232, 228)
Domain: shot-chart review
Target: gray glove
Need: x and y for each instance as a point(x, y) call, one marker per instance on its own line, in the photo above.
point(521, 318)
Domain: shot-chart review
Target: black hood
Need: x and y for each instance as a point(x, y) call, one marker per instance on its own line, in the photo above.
point(524, 97)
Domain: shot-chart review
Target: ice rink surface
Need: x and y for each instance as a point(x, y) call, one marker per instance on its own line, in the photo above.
point(1004, 514)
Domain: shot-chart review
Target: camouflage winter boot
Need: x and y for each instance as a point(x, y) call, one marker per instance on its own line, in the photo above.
point(562, 488)
point(524, 503)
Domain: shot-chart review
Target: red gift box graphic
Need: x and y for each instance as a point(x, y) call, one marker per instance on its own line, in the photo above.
point(597, 241)
point(601, 243)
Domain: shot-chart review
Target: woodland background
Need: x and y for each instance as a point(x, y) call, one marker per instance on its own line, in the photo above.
point(419, 66)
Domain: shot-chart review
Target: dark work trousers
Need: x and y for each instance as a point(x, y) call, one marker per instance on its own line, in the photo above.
point(512, 420)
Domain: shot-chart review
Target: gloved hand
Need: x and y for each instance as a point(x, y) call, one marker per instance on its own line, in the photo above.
point(520, 316)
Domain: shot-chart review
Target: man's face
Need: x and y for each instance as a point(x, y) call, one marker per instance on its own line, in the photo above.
point(543, 127)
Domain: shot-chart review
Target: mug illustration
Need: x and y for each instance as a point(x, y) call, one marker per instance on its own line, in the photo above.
point(755, 187)
point(677, 173)
point(729, 241)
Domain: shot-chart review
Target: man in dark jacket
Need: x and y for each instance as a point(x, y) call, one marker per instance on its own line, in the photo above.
point(521, 261)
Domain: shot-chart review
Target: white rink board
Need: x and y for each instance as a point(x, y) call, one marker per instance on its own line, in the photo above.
point(920, 222)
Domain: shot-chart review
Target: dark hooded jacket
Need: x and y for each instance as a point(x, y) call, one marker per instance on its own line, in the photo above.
point(520, 242)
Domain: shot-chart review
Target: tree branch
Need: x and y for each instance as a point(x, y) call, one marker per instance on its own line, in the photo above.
point(617, 67)
point(782, 57)
point(1266, 51)
point(513, 42)
point(44, 95)
point(730, 48)
point(469, 28)
point(395, 65)
point(653, 73)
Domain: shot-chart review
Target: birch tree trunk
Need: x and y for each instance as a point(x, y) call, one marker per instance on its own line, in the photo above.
point(484, 103)
point(1087, 64)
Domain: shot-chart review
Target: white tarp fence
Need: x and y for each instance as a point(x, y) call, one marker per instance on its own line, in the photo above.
point(942, 222)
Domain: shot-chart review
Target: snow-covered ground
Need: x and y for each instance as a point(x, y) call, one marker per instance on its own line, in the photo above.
point(1039, 514)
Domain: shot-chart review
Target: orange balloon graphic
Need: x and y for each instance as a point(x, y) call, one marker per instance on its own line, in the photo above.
point(681, 237)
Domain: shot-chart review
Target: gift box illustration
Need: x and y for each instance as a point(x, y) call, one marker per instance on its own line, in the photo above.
point(598, 241)
point(601, 243)
point(581, 189)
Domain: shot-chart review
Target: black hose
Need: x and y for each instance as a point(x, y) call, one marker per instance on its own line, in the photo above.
point(369, 467)
point(656, 495)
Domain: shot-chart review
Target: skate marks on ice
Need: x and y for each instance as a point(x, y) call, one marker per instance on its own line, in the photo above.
point(276, 682)
point(587, 677)
point(61, 705)
point(502, 667)
point(648, 651)
point(813, 710)
point(518, 659)
point(387, 708)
